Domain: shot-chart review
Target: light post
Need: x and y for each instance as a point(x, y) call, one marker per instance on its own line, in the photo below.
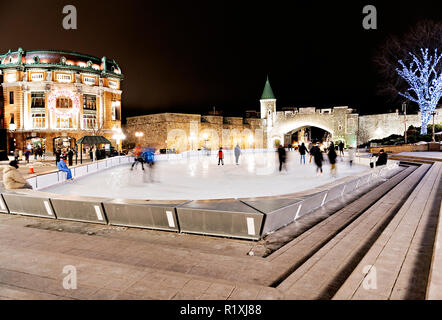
point(118, 136)
point(139, 134)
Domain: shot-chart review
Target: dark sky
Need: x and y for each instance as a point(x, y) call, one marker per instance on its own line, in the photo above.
point(188, 56)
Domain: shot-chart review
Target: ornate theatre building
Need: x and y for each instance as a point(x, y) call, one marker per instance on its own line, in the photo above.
point(52, 98)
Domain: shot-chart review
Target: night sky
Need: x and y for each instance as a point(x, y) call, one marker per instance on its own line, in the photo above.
point(188, 56)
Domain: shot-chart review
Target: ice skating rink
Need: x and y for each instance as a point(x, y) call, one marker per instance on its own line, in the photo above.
point(201, 178)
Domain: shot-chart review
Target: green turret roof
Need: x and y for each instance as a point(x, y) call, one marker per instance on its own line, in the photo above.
point(267, 93)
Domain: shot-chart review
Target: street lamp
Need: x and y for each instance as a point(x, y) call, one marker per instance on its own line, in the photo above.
point(118, 136)
point(139, 134)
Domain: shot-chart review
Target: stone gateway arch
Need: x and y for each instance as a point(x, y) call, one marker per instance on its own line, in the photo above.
point(340, 122)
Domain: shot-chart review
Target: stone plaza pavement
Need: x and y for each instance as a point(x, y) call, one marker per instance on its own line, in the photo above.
point(119, 263)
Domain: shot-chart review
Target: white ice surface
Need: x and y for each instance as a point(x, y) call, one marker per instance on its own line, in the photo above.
point(197, 179)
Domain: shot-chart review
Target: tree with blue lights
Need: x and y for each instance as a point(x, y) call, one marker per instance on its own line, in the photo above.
point(424, 80)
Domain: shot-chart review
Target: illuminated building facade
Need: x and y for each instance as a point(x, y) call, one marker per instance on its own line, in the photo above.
point(52, 98)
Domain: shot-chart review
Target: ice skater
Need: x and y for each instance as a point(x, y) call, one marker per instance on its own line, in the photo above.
point(138, 158)
point(316, 153)
point(237, 153)
point(341, 149)
point(351, 156)
point(220, 156)
point(282, 155)
point(302, 150)
point(61, 165)
point(332, 158)
point(149, 157)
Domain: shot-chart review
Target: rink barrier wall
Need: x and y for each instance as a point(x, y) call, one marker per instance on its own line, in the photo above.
point(280, 217)
point(143, 214)
point(284, 216)
point(216, 222)
point(179, 216)
point(48, 179)
point(3, 205)
point(82, 209)
point(29, 203)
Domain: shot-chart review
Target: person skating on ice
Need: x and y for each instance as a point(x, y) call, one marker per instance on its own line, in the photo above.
point(220, 156)
point(237, 153)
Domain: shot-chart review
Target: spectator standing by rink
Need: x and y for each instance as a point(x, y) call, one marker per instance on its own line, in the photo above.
point(282, 155)
point(351, 156)
point(27, 154)
point(341, 148)
point(237, 153)
point(70, 156)
point(332, 158)
point(316, 153)
point(302, 150)
point(57, 156)
point(220, 156)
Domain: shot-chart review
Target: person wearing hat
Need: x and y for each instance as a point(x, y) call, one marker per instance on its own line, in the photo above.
point(12, 179)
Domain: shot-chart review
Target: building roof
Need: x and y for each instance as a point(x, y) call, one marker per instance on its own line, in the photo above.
point(59, 59)
point(91, 140)
point(267, 92)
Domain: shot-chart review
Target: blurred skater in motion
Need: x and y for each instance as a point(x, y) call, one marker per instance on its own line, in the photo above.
point(221, 156)
point(316, 153)
point(282, 155)
point(351, 156)
point(302, 151)
point(149, 158)
point(237, 153)
point(332, 158)
point(138, 157)
point(341, 148)
point(61, 165)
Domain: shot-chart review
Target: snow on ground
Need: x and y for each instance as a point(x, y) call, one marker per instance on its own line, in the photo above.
point(197, 179)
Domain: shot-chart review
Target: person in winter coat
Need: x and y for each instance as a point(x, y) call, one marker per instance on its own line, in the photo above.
point(16, 155)
point(382, 158)
point(282, 157)
point(70, 157)
point(57, 156)
point(12, 179)
point(332, 158)
point(302, 150)
point(27, 154)
point(317, 155)
point(341, 148)
point(237, 153)
point(220, 156)
point(61, 165)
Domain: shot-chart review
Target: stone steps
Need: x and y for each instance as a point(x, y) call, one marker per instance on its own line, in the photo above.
point(304, 246)
point(400, 259)
point(324, 272)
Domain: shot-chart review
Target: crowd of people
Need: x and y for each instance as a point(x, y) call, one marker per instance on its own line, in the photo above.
point(316, 152)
